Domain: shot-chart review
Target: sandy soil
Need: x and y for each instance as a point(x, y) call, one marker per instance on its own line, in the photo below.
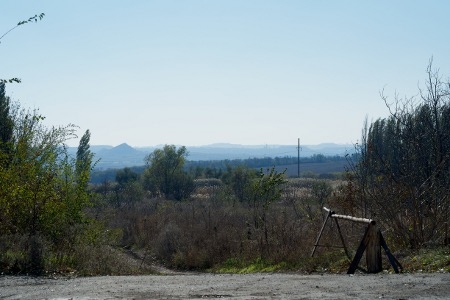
point(252, 286)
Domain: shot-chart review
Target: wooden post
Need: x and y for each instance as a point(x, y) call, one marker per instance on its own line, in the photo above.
point(371, 243)
point(373, 249)
point(320, 233)
point(394, 262)
point(358, 255)
point(342, 240)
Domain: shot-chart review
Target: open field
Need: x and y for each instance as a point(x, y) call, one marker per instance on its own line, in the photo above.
point(317, 168)
point(249, 286)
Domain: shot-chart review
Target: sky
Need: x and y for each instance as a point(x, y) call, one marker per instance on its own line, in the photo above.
point(192, 72)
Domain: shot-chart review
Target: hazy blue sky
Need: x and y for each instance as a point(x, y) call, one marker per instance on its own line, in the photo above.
point(200, 72)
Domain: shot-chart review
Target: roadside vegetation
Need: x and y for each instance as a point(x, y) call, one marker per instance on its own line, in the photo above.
point(238, 218)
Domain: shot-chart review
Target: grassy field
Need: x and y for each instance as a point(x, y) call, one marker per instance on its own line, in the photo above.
point(315, 168)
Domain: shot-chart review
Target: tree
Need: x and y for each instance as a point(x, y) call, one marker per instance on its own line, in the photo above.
point(165, 174)
point(321, 190)
point(77, 173)
point(129, 189)
point(125, 176)
point(403, 176)
point(265, 190)
point(30, 20)
point(6, 126)
point(31, 203)
point(43, 190)
point(84, 160)
point(240, 179)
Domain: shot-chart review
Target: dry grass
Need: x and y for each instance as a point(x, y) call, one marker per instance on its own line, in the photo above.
point(214, 231)
point(213, 227)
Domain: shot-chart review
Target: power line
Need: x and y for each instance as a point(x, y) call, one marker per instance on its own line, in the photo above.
point(298, 158)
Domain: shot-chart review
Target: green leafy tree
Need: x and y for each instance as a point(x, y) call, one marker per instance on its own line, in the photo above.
point(84, 160)
point(77, 173)
point(129, 189)
point(125, 176)
point(266, 190)
point(31, 200)
point(43, 191)
point(6, 126)
point(240, 180)
point(165, 174)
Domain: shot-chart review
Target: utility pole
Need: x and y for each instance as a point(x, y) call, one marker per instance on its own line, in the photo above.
point(298, 159)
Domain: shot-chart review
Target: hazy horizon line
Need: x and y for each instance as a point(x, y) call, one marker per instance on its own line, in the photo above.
point(218, 144)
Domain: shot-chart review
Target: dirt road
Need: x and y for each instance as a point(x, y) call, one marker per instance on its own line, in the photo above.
point(252, 286)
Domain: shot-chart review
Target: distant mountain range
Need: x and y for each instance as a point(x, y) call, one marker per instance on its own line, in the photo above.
point(124, 155)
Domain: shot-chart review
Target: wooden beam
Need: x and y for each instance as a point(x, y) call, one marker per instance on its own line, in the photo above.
point(371, 243)
point(359, 254)
point(373, 250)
point(359, 220)
point(320, 234)
point(394, 262)
point(350, 218)
point(342, 240)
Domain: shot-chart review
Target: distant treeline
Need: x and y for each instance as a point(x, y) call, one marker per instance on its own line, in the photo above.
point(215, 168)
point(264, 162)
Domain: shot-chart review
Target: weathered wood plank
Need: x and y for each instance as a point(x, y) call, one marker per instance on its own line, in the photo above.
point(320, 234)
point(394, 262)
point(359, 220)
point(359, 254)
point(342, 240)
point(373, 250)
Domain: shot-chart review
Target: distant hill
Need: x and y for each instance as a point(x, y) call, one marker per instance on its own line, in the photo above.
point(235, 151)
point(120, 157)
point(124, 155)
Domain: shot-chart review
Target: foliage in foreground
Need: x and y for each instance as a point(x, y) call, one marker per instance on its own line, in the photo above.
point(403, 176)
point(427, 260)
point(43, 191)
point(243, 222)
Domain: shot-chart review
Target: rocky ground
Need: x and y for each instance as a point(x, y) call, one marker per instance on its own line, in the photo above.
point(250, 286)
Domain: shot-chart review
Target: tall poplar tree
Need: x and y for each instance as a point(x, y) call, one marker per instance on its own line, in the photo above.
point(403, 176)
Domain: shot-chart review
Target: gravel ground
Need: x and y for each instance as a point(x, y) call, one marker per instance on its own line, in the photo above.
point(251, 286)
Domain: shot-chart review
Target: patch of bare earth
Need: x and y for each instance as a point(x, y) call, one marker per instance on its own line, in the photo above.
point(250, 286)
point(169, 284)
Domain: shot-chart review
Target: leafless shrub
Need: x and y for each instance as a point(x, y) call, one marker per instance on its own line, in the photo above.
point(207, 231)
